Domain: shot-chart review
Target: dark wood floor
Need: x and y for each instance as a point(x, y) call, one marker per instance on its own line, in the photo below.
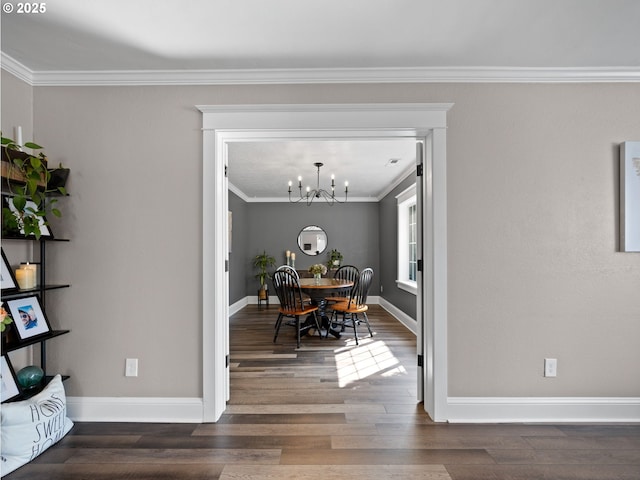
point(331, 410)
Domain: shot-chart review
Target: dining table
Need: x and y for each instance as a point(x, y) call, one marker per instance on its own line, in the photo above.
point(319, 289)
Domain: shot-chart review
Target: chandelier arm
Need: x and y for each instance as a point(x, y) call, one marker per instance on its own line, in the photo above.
point(318, 192)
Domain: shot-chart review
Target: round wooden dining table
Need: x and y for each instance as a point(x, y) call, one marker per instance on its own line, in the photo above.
point(319, 290)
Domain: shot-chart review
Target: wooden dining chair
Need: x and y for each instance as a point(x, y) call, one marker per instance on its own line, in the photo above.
point(354, 310)
point(345, 272)
point(292, 304)
point(288, 268)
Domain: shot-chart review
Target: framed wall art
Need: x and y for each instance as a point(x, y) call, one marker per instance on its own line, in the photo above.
point(9, 387)
point(630, 197)
point(28, 316)
point(45, 231)
point(8, 278)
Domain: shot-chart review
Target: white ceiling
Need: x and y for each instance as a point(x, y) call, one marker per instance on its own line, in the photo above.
point(80, 42)
point(262, 170)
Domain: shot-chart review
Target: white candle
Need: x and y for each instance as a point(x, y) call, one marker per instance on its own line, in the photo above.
point(34, 268)
point(19, 136)
point(26, 278)
point(293, 256)
point(288, 253)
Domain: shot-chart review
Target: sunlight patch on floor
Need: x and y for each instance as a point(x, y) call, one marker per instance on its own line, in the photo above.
point(371, 357)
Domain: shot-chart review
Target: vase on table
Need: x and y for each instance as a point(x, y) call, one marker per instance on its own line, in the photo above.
point(317, 277)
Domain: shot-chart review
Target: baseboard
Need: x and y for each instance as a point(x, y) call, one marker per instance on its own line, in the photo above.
point(542, 409)
point(133, 409)
point(239, 305)
point(253, 300)
point(402, 317)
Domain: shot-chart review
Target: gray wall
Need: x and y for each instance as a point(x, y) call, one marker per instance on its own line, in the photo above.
point(534, 269)
point(351, 228)
point(239, 248)
point(388, 210)
point(365, 233)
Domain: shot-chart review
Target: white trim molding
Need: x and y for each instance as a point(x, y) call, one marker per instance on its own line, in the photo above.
point(134, 409)
point(399, 315)
point(223, 124)
point(50, 78)
point(542, 409)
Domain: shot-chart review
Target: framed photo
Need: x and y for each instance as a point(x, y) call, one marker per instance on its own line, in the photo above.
point(630, 197)
point(8, 278)
point(9, 387)
point(42, 221)
point(28, 317)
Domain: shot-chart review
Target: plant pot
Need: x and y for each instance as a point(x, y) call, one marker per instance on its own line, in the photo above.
point(10, 171)
point(58, 178)
point(8, 335)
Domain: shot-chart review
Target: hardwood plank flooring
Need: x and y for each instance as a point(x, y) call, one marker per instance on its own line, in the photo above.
point(333, 410)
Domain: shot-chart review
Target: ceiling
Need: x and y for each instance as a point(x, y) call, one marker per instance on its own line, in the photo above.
point(133, 42)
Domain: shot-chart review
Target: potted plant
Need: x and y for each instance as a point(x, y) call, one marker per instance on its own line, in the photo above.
point(335, 259)
point(29, 184)
point(262, 262)
point(5, 321)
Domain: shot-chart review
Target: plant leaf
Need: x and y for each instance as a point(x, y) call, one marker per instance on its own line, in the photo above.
point(33, 146)
point(19, 202)
point(36, 163)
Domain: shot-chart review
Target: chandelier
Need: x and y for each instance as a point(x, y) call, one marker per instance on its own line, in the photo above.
point(310, 195)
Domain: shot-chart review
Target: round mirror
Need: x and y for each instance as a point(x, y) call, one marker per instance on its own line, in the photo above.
point(312, 240)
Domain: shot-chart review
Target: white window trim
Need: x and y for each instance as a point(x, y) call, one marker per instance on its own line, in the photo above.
point(404, 199)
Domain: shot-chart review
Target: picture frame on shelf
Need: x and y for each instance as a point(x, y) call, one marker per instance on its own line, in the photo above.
point(7, 277)
point(28, 316)
point(45, 231)
point(10, 387)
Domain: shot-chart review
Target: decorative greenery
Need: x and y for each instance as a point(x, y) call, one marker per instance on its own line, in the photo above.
point(262, 262)
point(318, 268)
point(34, 177)
point(335, 259)
point(5, 319)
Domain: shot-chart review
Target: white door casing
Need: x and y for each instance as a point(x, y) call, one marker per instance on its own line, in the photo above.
point(223, 124)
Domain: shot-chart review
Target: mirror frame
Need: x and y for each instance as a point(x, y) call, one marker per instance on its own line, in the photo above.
point(312, 228)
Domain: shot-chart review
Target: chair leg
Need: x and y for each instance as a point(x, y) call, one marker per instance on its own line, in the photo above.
point(333, 315)
point(354, 322)
point(298, 329)
point(366, 320)
point(277, 327)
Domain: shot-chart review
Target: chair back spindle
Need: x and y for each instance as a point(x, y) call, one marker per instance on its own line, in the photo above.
point(360, 290)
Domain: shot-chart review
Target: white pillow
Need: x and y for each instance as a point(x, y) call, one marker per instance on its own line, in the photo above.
point(31, 426)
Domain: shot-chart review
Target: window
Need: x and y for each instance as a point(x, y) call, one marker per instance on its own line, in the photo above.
point(408, 240)
point(413, 242)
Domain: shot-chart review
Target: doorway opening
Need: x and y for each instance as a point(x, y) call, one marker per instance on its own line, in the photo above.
point(225, 124)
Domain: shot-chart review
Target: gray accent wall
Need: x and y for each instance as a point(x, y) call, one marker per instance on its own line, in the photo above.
point(365, 233)
point(388, 209)
point(239, 253)
point(351, 228)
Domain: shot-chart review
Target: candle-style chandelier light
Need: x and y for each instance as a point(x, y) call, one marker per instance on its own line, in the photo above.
point(317, 193)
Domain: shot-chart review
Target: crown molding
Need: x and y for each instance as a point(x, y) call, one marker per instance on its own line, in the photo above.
point(16, 69)
point(243, 196)
point(322, 76)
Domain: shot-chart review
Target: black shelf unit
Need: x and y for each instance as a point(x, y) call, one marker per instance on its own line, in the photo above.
point(40, 289)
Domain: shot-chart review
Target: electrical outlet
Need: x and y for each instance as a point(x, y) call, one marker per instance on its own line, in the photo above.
point(550, 367)
point(131, 367)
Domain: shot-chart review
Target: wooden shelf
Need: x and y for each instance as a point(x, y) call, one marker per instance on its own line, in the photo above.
point(17, 344)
